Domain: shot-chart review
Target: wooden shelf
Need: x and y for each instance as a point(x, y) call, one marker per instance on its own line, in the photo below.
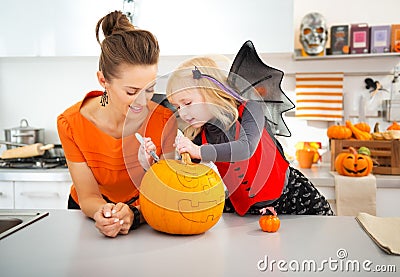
point(297, 56)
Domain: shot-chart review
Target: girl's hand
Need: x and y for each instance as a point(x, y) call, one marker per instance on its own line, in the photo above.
point(144, 157)
point(185, 145)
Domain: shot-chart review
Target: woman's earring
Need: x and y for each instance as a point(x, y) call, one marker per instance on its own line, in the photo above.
point(104, 99)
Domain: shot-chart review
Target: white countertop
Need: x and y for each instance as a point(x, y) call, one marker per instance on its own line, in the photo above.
point(66, 243)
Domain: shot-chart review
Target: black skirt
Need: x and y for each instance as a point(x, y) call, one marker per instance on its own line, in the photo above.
point(298, 197)
point(301, 197)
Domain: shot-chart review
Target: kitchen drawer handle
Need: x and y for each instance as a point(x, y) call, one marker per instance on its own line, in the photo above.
point(40, 194)
point(23, 135)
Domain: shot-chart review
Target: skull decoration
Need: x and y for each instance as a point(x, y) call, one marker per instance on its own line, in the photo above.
point(313, 33)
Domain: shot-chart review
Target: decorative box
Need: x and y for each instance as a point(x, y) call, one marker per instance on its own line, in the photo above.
point(359, 38)
point(339, 39)
point(395, 38)
point(380, 39)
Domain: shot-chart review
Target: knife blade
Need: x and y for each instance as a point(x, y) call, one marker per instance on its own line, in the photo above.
point(152, 153)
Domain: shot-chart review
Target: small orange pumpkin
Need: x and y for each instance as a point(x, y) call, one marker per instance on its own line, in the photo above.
point(339, 132)
point(269, 222)
point(394, 126)
point(353, 164)
point(181, 198)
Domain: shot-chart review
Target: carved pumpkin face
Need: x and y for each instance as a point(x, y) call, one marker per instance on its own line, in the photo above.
point(178, 198)
point(353, 164)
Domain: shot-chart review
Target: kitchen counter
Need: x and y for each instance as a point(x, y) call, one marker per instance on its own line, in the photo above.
point(66, 243)
point(387, 193)
point(40, 175)
point(319, 174)
point(58, 180)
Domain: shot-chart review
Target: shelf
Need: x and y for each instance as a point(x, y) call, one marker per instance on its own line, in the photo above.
point(297, 56)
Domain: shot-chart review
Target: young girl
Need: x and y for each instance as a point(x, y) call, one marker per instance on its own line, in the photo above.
point(222, 127)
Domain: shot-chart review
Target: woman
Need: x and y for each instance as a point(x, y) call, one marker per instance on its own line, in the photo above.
point(224, 128)
point(105, 160)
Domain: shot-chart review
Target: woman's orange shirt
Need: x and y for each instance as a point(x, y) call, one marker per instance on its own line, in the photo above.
point(114, 162)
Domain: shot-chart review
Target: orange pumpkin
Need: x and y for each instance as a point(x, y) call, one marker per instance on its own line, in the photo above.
point(394, 126)
point(363, 126)
point(353, 164)
point(269, 222)
point(179, 198)
point(339, 132)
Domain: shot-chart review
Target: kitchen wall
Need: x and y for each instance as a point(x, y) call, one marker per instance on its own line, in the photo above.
point(40, 87)
point(47, 66)
point(209, 26)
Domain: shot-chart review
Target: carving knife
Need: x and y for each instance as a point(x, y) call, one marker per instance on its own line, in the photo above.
point(152, 153)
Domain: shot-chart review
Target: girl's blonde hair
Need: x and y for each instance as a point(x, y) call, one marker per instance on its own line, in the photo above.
point(222, 105)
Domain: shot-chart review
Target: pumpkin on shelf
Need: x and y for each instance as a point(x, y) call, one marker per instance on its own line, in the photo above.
point(354, 164)
point(181, 198)
point(363, 126)
point(394, 126)
point(357, 133)
point(339, 132)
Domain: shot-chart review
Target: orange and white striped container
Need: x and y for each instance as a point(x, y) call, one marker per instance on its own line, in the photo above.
point(319, 96)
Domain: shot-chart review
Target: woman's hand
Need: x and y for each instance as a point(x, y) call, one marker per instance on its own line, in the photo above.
point(113, 219)
point(124, 213)
point(144, 156)
point(185, 145)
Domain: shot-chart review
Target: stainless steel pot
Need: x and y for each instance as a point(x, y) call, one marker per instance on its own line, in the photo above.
point(24, 134)
point(56, 152)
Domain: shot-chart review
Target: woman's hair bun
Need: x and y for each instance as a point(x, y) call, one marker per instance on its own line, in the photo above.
point(112, 23)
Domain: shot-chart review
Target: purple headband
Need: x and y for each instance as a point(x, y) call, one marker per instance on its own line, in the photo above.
point(197, 75)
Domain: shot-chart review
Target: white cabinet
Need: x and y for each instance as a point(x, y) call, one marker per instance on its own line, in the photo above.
point(41, 195)
point(51, 27)
point(34, 188)
point(6, 195)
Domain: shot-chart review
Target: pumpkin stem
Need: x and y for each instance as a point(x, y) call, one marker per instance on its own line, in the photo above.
point(268, 210)
point(352, 150)
point(186, 158)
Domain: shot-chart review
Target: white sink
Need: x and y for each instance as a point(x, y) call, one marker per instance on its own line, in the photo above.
point(12, 221)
